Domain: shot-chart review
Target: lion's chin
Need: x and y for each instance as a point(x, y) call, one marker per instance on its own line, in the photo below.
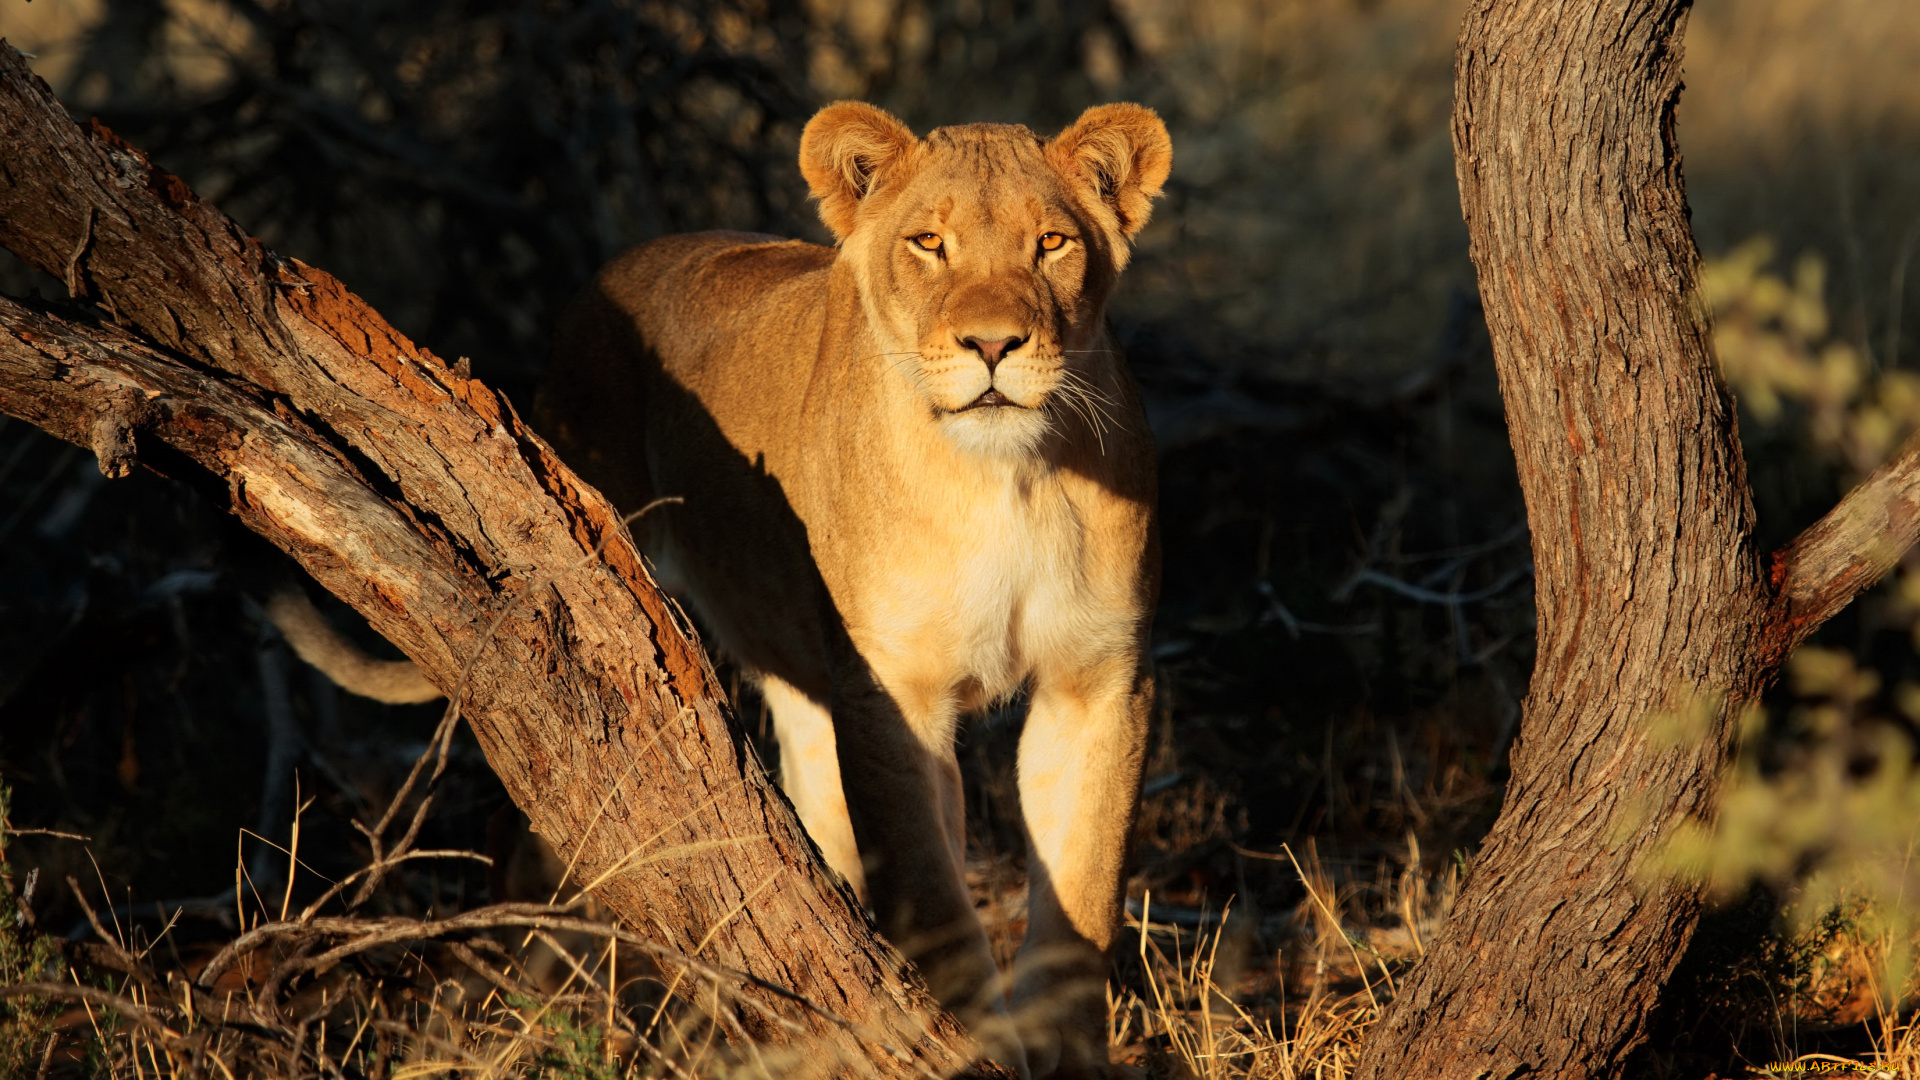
point(996, 430)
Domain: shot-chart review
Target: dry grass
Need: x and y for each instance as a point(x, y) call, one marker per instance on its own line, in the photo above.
point(552, 990)
point(543, 991)
point(337, 988)
point(1217, 993)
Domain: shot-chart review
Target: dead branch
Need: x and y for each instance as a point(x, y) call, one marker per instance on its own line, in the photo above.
point(1849, 550)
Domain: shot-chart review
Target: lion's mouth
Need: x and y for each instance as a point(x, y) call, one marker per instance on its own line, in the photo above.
point(990, 398)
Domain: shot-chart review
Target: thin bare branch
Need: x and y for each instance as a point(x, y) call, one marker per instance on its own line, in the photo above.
point(1849, 550)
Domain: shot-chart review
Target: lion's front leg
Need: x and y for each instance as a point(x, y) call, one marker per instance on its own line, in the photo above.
point(904, 798)
point(810, 775)
point(1080, 761)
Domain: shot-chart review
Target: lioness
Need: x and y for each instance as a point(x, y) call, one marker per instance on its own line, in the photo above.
point(916, 479)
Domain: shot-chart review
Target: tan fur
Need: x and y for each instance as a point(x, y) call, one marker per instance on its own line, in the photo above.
point(886, 559)
point(397, 682)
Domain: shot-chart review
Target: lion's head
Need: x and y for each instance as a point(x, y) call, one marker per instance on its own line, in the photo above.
point(984, 255)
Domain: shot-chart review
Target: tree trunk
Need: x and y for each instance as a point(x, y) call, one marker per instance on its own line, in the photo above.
point(1651, 597)
point(416, 494)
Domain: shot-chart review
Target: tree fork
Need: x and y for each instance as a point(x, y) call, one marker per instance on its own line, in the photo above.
point(416, 494)
point(1651, 597)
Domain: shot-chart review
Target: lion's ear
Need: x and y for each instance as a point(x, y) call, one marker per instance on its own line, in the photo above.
point(1123, 153)
point(845, 150)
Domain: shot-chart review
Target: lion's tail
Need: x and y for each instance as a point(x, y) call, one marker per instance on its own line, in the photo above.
point(396, 682)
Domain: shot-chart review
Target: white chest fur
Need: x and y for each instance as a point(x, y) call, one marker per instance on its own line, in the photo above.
point(990, 583)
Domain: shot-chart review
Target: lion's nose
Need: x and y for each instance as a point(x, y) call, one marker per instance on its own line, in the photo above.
point(992, 351)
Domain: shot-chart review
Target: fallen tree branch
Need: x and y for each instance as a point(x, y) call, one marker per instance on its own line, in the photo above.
point(418, 496)
point(357, 935)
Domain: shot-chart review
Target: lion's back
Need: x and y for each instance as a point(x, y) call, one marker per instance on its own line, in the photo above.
point(672, 375)
point(694, 295)
point(680, 306)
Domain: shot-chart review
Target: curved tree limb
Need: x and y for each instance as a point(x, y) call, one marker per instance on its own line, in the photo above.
point(1849, 550)
point(417, 494)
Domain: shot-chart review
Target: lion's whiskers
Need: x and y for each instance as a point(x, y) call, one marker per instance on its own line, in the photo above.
point(1075, 392)
point(918, 375)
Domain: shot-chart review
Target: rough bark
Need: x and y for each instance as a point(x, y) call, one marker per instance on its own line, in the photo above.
point(1651, 597)
point(1848, 550)
point(417, 495)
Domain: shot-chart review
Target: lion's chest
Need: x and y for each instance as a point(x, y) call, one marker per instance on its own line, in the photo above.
point(975, 597)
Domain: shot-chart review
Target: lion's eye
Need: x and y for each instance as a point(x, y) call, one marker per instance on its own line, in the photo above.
point(1052, 241)
point(927, 241)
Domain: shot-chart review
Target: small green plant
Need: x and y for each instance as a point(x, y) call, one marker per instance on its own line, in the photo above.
point(573, 1050)
point(26, 955)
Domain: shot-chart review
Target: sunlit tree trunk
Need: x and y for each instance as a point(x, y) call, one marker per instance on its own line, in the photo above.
point(1652, 598)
